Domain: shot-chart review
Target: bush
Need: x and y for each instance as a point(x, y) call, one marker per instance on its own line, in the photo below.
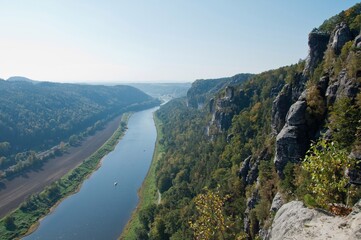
point(327, 163)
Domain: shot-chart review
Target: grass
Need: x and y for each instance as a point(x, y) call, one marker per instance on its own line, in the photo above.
point(25, 218)
point(148, 193)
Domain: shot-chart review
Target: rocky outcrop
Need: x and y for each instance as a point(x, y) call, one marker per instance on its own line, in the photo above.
point(317, 42)
point(296, 128)
point(294, 221)
point(243, 172)
point(222, 120)
point(293, 140)
point(251, 204)
point(343, 86)
point(203, 90)
point(280, 108)
point(357, 42)
point(277, 202)
point(224, 108)
point(296, 113)
point(249, 169)
point(339, 37)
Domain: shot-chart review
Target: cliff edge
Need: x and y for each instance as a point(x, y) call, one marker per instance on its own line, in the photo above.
point(295, 221)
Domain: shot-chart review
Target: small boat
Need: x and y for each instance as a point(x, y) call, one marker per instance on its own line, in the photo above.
point(115, 183)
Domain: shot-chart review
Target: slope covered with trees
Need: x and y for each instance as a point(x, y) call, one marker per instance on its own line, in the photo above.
point(234, 157)
point(36, 116)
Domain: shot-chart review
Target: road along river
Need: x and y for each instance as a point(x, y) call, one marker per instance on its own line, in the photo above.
point(106, 200)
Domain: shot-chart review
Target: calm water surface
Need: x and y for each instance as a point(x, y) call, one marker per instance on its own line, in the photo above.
point(100, 210)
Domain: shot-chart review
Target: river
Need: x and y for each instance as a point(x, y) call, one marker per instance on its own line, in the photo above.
point(101, 209)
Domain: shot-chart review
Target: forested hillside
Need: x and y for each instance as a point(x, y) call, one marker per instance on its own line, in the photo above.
point(163, 90)
point(233, 158)
point(36, 116)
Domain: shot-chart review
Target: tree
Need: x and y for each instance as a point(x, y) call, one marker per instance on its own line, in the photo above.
point(9, 223)
point(73, 140)
point(344, 119)
point(146, 215)
point(4, 148)
point(210, 223)
point(327, 163)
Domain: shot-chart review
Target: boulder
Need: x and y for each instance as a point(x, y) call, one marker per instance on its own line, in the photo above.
point(296, 114)
point(291, 145)
point(294, 221)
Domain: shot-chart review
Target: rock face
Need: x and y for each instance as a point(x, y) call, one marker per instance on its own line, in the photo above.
point(202, 90)
point(249, 169)
point(251, 204)
point(344, 86)
point(280, 108)
point(357, 42)
point(289, 107)
point(225, 107)
point(317, 42)
point(293, 140)
point(294, 221)
point(277, 202)
point(339, 37)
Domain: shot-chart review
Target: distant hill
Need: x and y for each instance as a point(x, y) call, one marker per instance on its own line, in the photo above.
point(21, 79)
point(38, 116)
point(202, 89)
point(163, 90)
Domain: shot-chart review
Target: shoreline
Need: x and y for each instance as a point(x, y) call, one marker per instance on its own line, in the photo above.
point(15, 191)
point(126, 116)
point(96, 158)
point(145, 192)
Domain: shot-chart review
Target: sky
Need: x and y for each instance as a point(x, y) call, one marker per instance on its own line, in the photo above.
point(154, 40)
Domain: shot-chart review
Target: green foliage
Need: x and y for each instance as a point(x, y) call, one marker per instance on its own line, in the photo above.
point(146, 216)
point(354, 64)
point(9, 223)
point(326, 163)
point(344, 119)
point(4, 148)
point(350, 16)
point(37, 117)
point(316, 105)
point(310, 201)
point(288, 183)
point(73, 140)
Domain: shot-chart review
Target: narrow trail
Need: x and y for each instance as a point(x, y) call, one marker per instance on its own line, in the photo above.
point(159, 197)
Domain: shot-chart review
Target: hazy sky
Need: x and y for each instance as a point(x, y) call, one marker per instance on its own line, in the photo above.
point(150, 40)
